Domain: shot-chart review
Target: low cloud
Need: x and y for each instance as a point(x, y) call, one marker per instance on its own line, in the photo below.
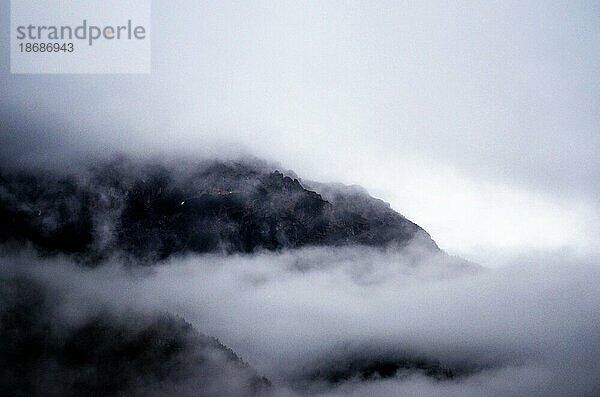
point(529, 328)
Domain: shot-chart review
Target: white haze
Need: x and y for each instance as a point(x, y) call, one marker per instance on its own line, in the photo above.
point(533, 327)
point(477, 120)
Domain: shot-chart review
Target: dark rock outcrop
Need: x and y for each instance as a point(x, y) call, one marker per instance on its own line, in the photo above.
point(350, 363)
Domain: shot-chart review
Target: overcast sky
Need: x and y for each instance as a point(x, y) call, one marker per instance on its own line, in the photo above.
point(479, 122)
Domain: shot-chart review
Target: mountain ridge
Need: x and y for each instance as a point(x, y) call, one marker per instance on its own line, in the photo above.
point(153, 210)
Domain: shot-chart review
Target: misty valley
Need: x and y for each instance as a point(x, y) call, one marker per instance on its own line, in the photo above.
point(235, 277)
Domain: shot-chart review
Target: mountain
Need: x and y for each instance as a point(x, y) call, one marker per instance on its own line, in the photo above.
point(152, 210)
point(45, 351)
point(147, 212)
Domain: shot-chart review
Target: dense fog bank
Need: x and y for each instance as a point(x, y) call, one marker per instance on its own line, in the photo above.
point(363, 321)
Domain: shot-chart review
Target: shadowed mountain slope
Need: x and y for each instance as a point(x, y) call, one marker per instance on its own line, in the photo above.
point(45, 351)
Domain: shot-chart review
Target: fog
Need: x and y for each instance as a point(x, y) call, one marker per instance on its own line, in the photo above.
point(529, 328)
point(460, 115)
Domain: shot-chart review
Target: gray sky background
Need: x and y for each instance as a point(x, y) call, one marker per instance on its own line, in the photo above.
point(480, 122)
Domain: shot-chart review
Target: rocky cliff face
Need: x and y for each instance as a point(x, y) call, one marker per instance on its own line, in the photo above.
point(155, 210)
